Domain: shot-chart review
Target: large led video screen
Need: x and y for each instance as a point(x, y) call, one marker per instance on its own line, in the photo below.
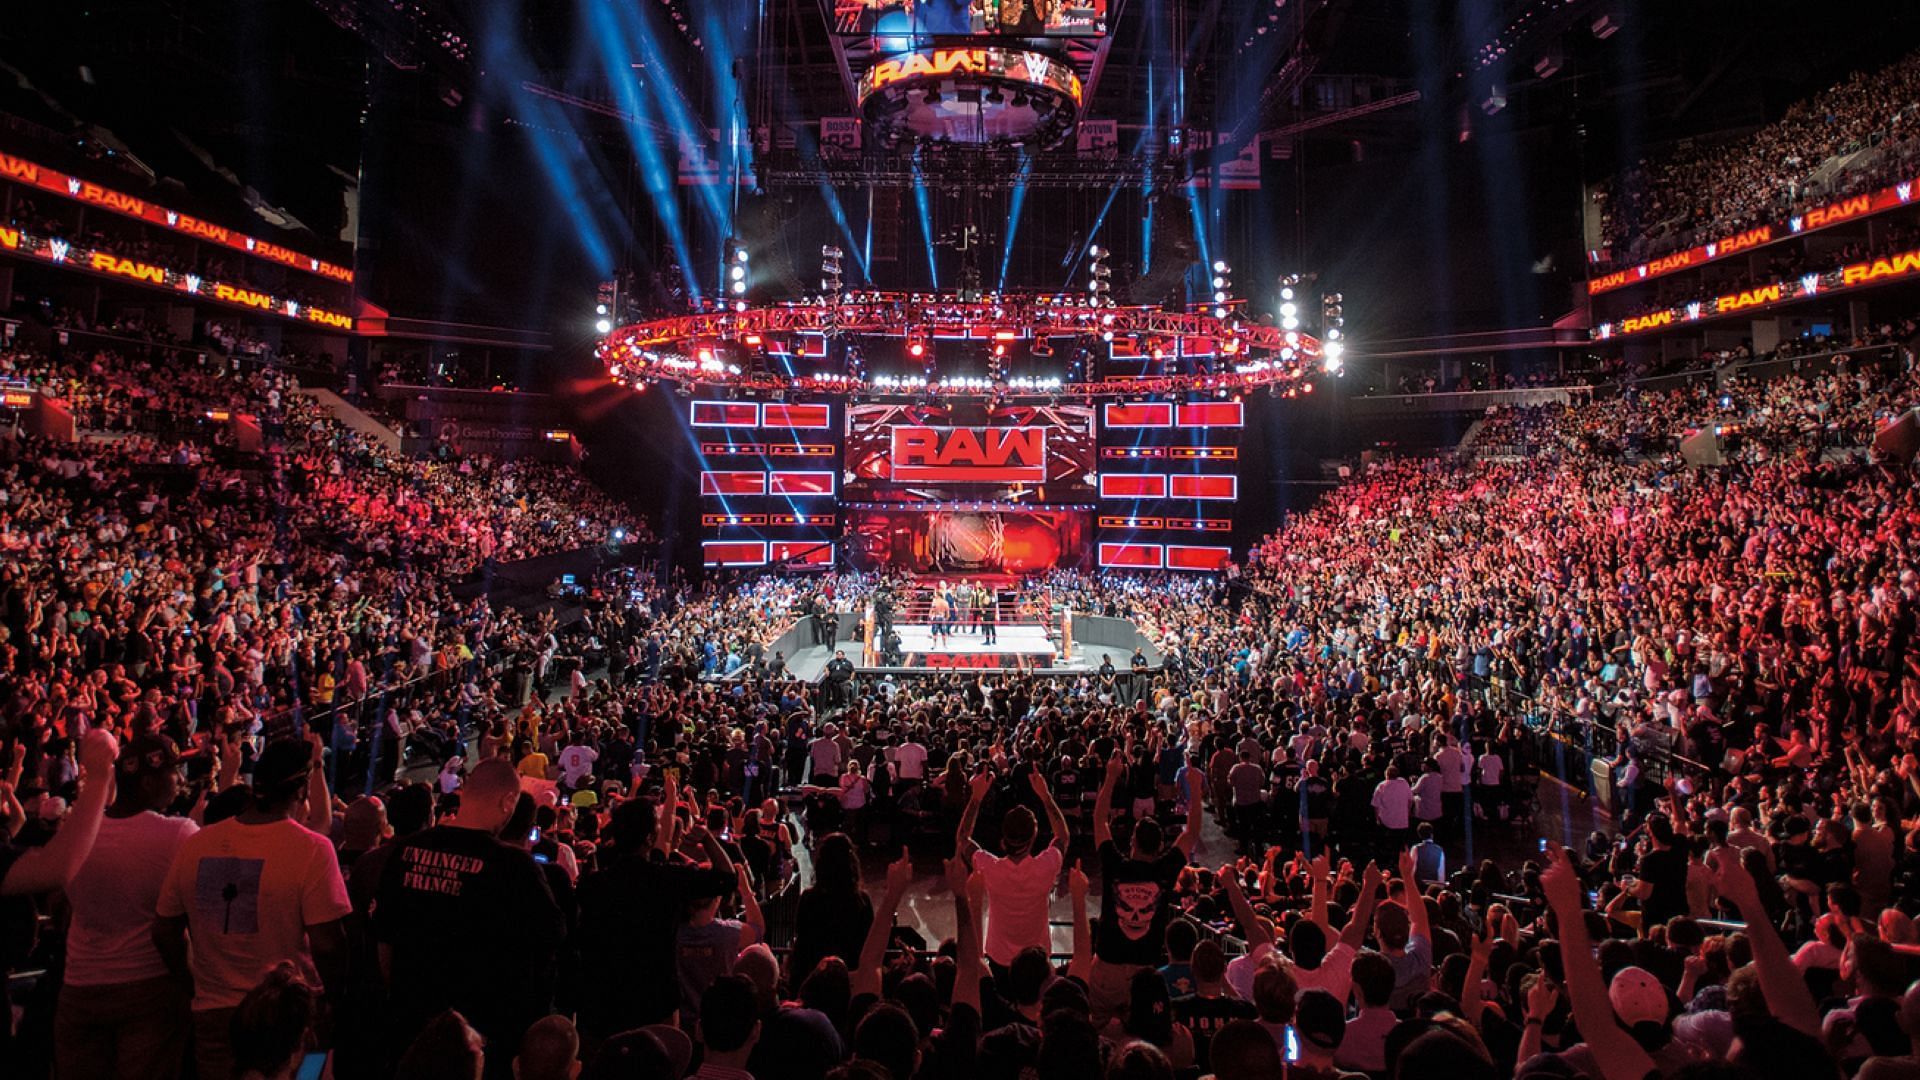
point(999, 18)
point(926, 540)
point(947, 451)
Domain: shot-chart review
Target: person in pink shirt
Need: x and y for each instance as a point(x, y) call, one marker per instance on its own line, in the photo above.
point(1020, 882)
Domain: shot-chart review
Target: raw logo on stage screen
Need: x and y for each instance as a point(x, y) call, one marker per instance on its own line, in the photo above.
point(938, 453)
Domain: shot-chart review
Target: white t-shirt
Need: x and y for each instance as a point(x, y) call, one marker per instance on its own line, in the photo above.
point(576, 763)
point(1018, 896)
point(910, 760)
point(1454, 766)
point(113, 898)
point(1392, 802)
point(1426, 796)
point(1334, 975)
point(1242, 969)
point(1491, 769)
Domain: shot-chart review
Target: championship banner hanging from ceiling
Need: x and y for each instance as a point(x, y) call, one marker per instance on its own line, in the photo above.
point(1097, 138)
point(840, 131)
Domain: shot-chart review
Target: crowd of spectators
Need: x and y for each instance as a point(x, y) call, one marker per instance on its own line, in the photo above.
point(1699, 192)
point(1289, 823)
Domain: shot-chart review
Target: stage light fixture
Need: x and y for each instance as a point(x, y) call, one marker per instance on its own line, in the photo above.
point(830, 257)
point(604, 326)
point(737, 260)
point(1333, 320)
point(1222, 287)
point(1099, 277)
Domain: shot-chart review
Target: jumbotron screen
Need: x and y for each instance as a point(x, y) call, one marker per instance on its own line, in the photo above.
point(997, 18)
point(945, 452)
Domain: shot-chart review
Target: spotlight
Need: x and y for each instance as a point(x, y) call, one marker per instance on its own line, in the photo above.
point(1099, 277)
point(1222, 288)
point(737, 259)
point(830, 257)
point(600, 309)
point(604, 326)
point(1332, 317)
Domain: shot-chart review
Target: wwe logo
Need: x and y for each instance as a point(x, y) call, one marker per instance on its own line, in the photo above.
point(293, 307)
point(250, 243)
point(314, 263)
point(1794, 224)
point(1641, 269)
point(59, 249)
point(193, 283)
point(173, 218)
point(73, 186)
point(1809, 283)
point(1712, 250)
point(1693, 310)
point(1905, 191)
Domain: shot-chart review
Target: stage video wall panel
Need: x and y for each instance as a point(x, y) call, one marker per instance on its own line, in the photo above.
point(769, 487)
point(1169, 471)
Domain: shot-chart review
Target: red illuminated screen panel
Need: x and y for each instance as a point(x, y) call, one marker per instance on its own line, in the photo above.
point(1193, 557)
point(726, 414)
point(779, 415)
point(798, 553)
point(733, 483)
point(734, 552)
point(1134, 556)
point(1203, 487)
point(1157, 414)
point(1212, 414)
point(807, 482)
point(1133, 486)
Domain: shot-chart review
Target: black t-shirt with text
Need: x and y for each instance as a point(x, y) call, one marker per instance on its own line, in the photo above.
point(1205, 1016)
point(472, 926)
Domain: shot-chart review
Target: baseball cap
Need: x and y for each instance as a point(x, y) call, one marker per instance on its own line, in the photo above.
point(147, 755)
point(1638, 997)
point(585, 797)
point(283, 763)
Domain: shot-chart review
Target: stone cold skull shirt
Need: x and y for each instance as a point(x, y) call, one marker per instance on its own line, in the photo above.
point(1136, 900)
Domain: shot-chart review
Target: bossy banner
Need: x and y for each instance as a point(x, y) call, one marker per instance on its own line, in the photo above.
point(970, 454)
